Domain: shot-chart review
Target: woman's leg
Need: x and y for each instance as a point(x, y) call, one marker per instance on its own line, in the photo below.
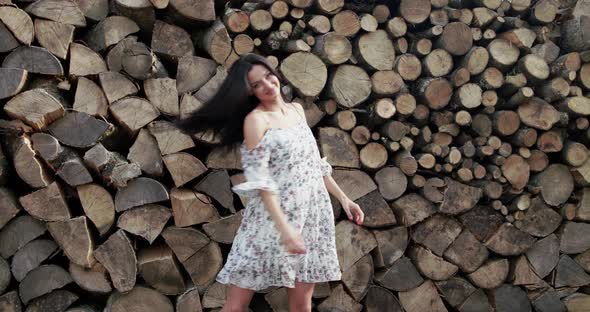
point(237, 299)
point(300, 297)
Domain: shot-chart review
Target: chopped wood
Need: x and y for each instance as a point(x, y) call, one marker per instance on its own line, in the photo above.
point(146, 221)
point(422, 298)
point(117, 255)
point(42, 280)
point(509, 241)
point(401, 276)
point(139, 192)
point(73, 237)
point(94, 279)
point(160, 270)
point(412, 208)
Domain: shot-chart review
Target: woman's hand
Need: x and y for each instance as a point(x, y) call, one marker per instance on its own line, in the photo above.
point(292, 240)
point(353, 211)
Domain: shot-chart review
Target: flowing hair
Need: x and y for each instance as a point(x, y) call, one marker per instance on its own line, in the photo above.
point(225, 112)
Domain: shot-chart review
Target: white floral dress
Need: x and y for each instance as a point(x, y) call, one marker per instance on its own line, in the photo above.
point(286, 161)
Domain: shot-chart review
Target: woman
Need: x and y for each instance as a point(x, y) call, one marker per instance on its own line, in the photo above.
point(287, 235)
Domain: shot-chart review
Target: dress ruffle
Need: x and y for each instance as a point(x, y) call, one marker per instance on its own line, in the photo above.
point(251, 188)
point(325, 167)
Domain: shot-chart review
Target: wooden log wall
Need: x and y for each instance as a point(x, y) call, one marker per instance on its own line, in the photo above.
point(461, 127)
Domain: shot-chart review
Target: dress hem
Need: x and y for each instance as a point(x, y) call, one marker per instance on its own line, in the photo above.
point(288, 285)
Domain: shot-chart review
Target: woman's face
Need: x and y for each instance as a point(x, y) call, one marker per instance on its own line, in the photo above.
point(264, 85)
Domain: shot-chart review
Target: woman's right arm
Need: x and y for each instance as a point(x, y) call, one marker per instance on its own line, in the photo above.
point(253, 132)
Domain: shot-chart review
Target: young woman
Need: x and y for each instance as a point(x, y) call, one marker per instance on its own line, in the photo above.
point(287, 234)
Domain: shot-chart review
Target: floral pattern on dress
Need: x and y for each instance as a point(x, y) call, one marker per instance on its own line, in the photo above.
point(285, 161)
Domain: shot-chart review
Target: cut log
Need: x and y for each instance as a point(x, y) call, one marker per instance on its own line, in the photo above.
point(70, 13)
point(12, 80)
point(379, 297)
point(46, 204)
point(573, 237)
point(55, 37)
point(352, 79)
point(183, 167)
point(490, 275)
point(217, 185)
point(193, 73)
point(408, 66)
point(455, 290)
point(516, 171)
point(224, 229)
point(459, 197)
point(352, 243)
point(503, 54)
point(84, 61)
point(357, 278)
point(437, 63)
point(456, 38)
point(94, 280)
point(422, 298)
point(538, 114)
point(401, 276)
point(116, 254)
point(432, 266)
point(435, 92)
point(539, 220)
point(346, 23)
point(307, 80)
point(19, 23)
point(412, 208)
point(190, 207)
point(466, 252)
point(160, 270)
point(57, 299)
point(112, 30)
point(509, 241)
point(216, 41)
point(73, 237)
point(437, 233)
point(146, 221)
point(339, 298)
point(392, 182)
point(116, 86)
point(41, 281)
point(189, 301)
point(391, 245)
point(47, 108)
point(204, 265)
point(146, 153)
point(375, 49)
point(415, 12)
point(90, 129)
point(17, 233)
point(31, 256)
point(114, 169)
point(171, 42)
point(89, 98)
point(339, 141)
point(555, 183)
point(141, 298)
point(377, 211)
point(569, 274)
point(373, 156)
point(133, 113)
point(9, 206)
point(139, 192)
point(477, 301)
point(332, 48)
point(185, 242)
point(136, 59)
point(509, 298)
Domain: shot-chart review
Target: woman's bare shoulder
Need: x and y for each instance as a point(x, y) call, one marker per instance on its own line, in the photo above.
point(254, 129)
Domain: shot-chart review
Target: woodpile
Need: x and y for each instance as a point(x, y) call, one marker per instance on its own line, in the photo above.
point(461, 127)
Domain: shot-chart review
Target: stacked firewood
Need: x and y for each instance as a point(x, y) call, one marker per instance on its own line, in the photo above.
point(461, 127)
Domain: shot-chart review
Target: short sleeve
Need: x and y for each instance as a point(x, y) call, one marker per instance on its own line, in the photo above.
point(255, 163)
point(325, 167)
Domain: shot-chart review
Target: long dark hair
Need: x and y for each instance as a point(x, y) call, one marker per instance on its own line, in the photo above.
point(225, 112)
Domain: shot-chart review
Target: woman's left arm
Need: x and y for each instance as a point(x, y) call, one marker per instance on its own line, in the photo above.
point(352, 209)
